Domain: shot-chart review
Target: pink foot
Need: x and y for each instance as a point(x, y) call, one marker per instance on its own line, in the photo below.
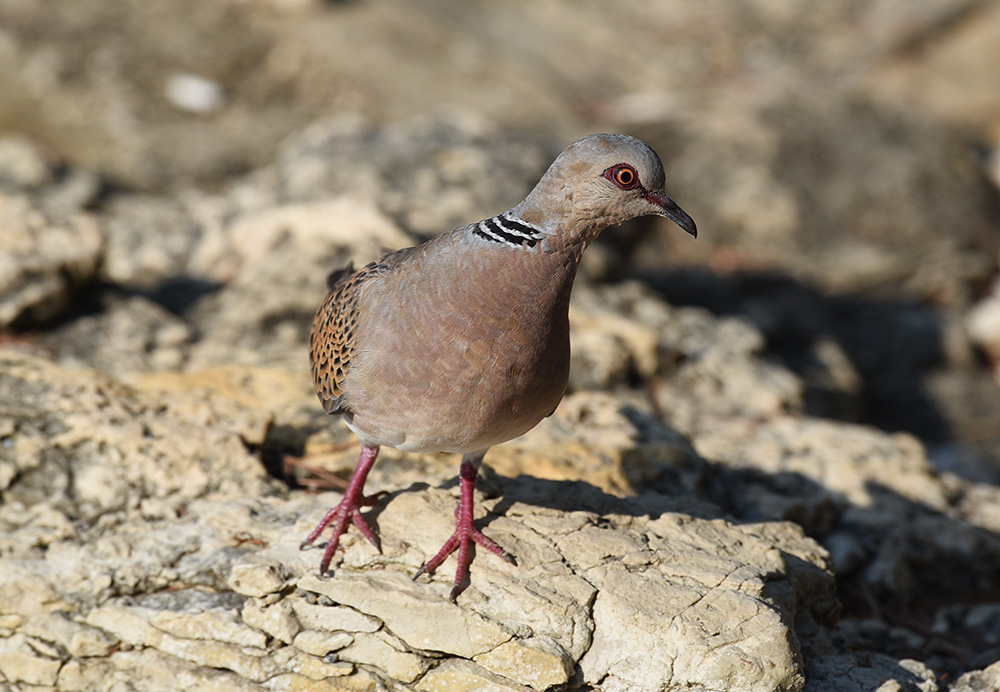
point(465, 535)
point(348, 511)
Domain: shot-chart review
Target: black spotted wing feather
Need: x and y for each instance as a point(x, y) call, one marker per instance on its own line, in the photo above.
point(331, 342)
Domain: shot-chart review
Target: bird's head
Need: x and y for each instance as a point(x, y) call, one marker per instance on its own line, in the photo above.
point(602, 180)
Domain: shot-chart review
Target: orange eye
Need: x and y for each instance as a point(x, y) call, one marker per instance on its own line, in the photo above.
point(623, 175)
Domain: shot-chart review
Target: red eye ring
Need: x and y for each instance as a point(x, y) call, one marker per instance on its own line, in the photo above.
point(623, 175)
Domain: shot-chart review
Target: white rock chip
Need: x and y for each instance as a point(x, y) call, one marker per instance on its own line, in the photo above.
point(194, 93)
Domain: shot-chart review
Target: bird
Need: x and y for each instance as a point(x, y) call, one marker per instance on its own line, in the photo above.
point(462, 343)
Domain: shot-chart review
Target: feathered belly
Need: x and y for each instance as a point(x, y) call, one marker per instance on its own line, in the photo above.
point(463, 398)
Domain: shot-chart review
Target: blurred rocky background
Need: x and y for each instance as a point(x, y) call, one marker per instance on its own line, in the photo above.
point(778, 465)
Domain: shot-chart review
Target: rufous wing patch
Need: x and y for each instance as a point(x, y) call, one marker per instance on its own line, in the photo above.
point(334, 330)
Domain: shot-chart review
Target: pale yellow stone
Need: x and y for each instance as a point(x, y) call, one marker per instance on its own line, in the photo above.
point(455, 675)
point(419, 617)
point(351, 681)
point(76, 675)
point(138, 626)
point(11, 622)
point(23, 593)
point(44, 648)
point(245, 661)
point(20, 662)
point(538, 663)
point(313, 667)
point(251, 387)
point(212, 625)
point(374, 650)
point(333, 618)
point(147, 669)
point(319, 643)
point(90, 642)
point(128, 624)
point(276, 619)
point(258, 577)
point(131, 625)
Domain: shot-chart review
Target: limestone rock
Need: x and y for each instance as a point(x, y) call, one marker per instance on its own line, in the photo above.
point(418, 618)
point(978, 680)
point(611, 441)
point(276, 620)
point(339, 180)
point(983, 324)
point(456, 675)
point(22, 662)
point(539, 663)
point(858, 479)
point(381, 651)
point(129, 335)
point(694, 361)
point(331, 618)
point(258, 578)
point(281, 258)
point(640, 559)
point(86, 444)
point(320, 643)
point(430, 174)
point(151, 239)
point(869, 672)
point(76, 639)
point(42, 260)
point(578, 604)
point(583, 590)
point(23, 164)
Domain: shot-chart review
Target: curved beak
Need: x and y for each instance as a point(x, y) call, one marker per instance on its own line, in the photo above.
point(664, 206)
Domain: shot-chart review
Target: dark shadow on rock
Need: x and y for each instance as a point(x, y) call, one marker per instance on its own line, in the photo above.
point(179, 294)
point(580, 496)
point(892, 343)
point(86, 299)
point(911, 561)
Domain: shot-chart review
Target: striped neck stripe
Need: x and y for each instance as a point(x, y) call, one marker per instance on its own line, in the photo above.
point(509, 231)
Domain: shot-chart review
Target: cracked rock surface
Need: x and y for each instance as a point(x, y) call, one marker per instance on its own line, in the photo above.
point(212, 575)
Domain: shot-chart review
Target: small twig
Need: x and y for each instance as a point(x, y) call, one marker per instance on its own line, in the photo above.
point(241, 538)
point(324, 479)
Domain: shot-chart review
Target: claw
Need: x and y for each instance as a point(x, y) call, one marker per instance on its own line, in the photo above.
point(464, 537)
point(348, 511)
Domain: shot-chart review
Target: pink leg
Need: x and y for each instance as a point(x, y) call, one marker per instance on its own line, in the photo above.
point(349, 510)
point(465, 530)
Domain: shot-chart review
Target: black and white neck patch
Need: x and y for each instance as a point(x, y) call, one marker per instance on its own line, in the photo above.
point(509, 231)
